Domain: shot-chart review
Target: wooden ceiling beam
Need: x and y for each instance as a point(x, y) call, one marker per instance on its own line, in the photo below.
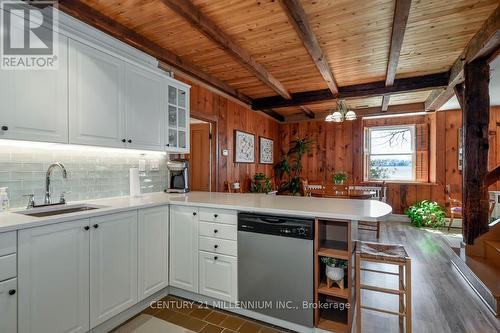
point(305, 110)
point(419, 83)
point(485, 43)
point(189, 12)
point(273, 114)
point(298, 19)
point(91, 16)
point(401, 13)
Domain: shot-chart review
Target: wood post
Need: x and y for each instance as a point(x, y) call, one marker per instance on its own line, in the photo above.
point(475, 168)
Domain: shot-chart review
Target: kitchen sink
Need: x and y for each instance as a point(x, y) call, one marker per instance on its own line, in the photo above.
point(58, 210)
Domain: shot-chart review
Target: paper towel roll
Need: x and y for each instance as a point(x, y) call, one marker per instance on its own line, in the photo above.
point(135, 187)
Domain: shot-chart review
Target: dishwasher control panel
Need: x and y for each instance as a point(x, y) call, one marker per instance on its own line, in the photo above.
point(276, 225)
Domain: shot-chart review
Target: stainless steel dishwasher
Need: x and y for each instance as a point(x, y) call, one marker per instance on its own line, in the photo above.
point(275, 266)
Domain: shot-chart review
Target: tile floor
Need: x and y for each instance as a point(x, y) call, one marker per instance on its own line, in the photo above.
point(202, 319)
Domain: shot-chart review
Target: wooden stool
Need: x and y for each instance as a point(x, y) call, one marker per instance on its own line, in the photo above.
point(385, 254)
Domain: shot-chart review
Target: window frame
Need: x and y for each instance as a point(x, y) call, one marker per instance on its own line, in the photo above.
point(368, 154)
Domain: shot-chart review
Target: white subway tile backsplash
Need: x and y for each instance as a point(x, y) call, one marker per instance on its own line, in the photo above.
point(91, 174)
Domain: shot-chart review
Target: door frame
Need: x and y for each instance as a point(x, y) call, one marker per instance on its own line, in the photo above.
point(214, 142)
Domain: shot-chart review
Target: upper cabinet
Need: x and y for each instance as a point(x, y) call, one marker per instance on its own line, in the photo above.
point(96, 101)
point(177, 118)
point(34, 103)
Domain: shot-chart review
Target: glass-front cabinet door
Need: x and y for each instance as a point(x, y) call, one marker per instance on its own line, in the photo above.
point(177, 131)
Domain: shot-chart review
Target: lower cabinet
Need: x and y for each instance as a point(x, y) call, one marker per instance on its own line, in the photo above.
point(184, 247)
point(53, 278)
point(8, 306)
point(218, 276)
point(113, 265)
point(153, 250)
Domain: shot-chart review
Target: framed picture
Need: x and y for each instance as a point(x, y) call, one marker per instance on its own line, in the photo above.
point(244, 147)
point(266, 150)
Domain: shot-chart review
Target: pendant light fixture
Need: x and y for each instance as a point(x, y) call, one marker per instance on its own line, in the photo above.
point(341, 113)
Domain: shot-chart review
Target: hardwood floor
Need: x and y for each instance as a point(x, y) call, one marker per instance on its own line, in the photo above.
point(442, 301)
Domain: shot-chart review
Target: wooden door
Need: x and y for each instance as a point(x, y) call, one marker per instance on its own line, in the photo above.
point(113, 265)
point(184, 247)
point(199, 157)
point(153, 250)
point(53, 278)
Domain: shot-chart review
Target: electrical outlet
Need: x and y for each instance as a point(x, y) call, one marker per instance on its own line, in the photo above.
point(142, 165)
point(154, 165)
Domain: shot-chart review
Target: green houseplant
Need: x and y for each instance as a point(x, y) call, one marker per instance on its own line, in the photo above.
point(426, 213)
point(288, 169)
point(260, 183)
point(339, 177)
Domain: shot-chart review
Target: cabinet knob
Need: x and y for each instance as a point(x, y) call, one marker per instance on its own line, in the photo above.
point(216, 215)
point(12, 292)
point(86, 227)
point(96, 226)
point(123, 140)
point(215, 258)
point(216, 246)
point(5, 128)
point(194, 213)
point(168, 145)
point(216, 231)
point(129, 141)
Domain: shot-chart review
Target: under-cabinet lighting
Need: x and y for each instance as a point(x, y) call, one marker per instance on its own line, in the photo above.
point(75, 148)
point(397, 115)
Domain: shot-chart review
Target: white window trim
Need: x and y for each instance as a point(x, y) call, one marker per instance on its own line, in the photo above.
point(367, 153)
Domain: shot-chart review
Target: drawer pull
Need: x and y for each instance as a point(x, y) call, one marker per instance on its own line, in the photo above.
point(215, 258)
point(12, 292)
point(216, 231)
point(216, 246)
point(86, 227)
point(194, 213)
point(216, 215)
point(96, 226)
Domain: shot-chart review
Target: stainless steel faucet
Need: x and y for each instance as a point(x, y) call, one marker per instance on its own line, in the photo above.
point(47, 180)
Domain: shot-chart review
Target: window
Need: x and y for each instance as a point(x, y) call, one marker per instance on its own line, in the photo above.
point(390, 153)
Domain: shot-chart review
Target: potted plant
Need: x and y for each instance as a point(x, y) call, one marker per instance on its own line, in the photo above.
point(426, 213)
point(339, 178)
point(334, 271)
point(290, 166)
point(260, 183)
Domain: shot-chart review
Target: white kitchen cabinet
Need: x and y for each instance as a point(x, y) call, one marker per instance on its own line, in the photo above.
point(144, 104)
point(53, 278)
point(184, 247)
point(96, 103)
point(177, 117)
point(34, 103)
point(8, 306)
point(218, 276)
point(113, 265)
point(153, 250)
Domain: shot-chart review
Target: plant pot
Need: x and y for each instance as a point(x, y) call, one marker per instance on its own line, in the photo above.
point(338, 182)
point(334, 275)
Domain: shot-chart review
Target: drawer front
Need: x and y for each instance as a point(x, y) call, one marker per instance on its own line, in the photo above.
point(219, 215)
point(8, 267)
point(8, 306)
point(217, 245)
point(218, 230)
point(8, 242)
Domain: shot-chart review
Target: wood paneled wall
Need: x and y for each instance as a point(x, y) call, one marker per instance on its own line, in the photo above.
point(339, 147)
point(228, 115)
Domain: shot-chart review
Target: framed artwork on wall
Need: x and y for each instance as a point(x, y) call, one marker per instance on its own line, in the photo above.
point(266, 150)
point(244, 147)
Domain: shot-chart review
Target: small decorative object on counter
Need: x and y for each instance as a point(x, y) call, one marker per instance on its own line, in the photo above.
point(334, 271)
point(4, 199)
point(339, 178)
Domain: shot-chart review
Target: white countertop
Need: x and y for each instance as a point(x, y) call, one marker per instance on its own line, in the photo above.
point(347, 209)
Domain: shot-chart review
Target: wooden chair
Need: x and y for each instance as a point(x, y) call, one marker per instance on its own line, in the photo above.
point(381, 195)
point(314, 189)
point(336, 191)
point(385, 254)
point(305, 187)
point(454, 205)
point(230, 187)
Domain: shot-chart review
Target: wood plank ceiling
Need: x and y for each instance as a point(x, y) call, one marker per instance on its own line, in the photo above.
point(353, 38)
